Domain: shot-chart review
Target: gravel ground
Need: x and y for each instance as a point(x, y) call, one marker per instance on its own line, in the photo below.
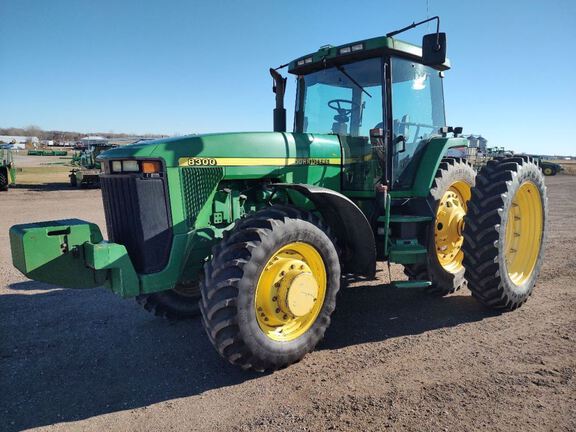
point(396, 359)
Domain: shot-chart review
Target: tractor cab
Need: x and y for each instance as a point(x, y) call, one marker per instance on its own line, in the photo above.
point(382, 97)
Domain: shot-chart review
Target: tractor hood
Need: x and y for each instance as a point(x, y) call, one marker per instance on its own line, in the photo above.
point(236, 149)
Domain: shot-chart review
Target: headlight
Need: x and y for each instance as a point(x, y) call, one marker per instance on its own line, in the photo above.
point(130, 166)
point(135, 166)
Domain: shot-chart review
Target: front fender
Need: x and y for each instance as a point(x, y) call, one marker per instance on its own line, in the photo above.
point(346, 220)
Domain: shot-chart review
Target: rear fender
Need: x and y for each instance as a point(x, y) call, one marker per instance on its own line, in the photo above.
point(423, 169)
point(348, 223)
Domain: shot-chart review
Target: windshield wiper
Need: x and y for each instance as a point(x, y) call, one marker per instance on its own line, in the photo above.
point(341, 69)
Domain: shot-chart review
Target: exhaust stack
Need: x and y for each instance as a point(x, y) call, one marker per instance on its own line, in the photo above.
point(279, 88)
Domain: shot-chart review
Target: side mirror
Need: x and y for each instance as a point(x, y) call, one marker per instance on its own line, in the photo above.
point(400, 144)
point(434, 49)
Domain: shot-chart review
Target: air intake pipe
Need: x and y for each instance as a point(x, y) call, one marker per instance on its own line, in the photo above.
point(279, 88)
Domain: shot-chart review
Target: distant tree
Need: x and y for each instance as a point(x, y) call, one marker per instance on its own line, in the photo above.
point(33, 130)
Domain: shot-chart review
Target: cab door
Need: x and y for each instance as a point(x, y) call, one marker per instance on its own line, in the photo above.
point(361, 168)
point(417, 108)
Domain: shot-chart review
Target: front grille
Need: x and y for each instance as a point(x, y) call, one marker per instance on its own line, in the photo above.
point(197, 185)
point(138, 217)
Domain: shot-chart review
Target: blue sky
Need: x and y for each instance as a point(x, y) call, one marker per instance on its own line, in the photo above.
point(178, 67)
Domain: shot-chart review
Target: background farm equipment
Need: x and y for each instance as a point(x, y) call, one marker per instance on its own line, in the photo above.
point(7, 168)
point(547, 167)
point(47, 152)
point(88, 168)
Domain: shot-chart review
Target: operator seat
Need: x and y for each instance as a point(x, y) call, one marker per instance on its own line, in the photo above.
point(340, 125)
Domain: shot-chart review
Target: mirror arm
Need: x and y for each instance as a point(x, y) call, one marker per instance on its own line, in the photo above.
point(416, 24)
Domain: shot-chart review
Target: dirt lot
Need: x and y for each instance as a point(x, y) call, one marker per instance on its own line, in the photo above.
point(396, 359)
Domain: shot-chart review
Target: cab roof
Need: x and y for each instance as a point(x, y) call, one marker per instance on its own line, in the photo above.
point(328, 55)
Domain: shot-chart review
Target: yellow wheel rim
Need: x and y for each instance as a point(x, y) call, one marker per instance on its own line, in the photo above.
point(449, 222)
point(523, 233)
point(290, 291)
point(547, 171)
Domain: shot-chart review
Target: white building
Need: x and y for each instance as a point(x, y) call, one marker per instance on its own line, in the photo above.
point(93, 140)
point(17, 141)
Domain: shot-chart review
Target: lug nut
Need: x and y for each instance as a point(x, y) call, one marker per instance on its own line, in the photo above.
point(274, 298)
point(277, 310)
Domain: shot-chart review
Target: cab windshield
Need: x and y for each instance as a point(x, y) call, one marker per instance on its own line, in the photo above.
point(344, 99)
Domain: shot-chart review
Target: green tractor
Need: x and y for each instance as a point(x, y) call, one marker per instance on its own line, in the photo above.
point(547, 167)
point(7, 168)
point(87, 171)
point(256, 231)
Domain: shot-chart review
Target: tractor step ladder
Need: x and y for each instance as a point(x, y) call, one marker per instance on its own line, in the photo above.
point(395, 218)
point(411, 284)
point(407, 252)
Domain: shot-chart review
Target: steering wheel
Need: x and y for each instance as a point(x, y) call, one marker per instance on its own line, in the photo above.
point(336, 104)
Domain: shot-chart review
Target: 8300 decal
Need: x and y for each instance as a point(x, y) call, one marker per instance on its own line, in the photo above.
point(202, 162)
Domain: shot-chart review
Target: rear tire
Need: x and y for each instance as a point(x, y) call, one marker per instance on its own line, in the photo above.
point(505, 231)
point(454, 176)
point(177, 304)
point(239, 294)
point(549, 171)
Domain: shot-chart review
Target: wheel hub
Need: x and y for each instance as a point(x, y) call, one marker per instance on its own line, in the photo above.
point(523, 233)
point(290, 291)
point(298, 292)
point(450, 225)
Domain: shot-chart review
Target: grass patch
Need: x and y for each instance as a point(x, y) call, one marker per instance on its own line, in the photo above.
point(42, 175)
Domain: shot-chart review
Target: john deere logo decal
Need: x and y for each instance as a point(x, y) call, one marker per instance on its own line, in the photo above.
point(211, 162)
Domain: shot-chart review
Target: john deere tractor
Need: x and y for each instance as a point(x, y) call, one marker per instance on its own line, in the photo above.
point(7, 168)
point(255, 231)
point(88, 169)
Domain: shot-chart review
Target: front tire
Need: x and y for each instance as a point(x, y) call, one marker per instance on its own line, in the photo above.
point(179, 303)
point(448, 198)
point(505, 232)
point(270, 289)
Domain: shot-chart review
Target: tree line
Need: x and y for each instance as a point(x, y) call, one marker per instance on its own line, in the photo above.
point(61, 136)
